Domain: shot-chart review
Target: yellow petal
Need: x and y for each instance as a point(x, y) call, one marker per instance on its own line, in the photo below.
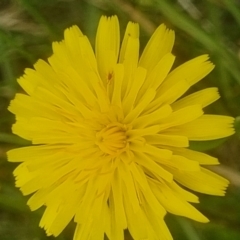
point(117, 85)
point(184, 194)
point(200, 157)
point(65, 212)
point(136, 220)
point(139, 176)
point(83, 231)
point(141, 106)
point(107, 46)
point(168, 96)
point(183, 164)
point(129, 187)
point(164, 139)
point(136, 133)
point(152, 118)
point(129, 54)
point(182, 116)
point(132, 92)
point(158, 74)
point(117, 195)
point(157, 224)
point(203, 181)
point(85, 205)
point(191, 71)
point(158, 153)
point(26, 153)
point(132, 32)
point(207, 127)
point(160, 43)
point(173, 202)
point(151, 166)
point(71, 37)
point(203, 97)
point(116, 229)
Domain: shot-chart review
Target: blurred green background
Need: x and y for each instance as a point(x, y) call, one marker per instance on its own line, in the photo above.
point(27, 29)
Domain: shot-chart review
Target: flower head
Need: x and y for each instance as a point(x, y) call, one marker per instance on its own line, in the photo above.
point(110, 134)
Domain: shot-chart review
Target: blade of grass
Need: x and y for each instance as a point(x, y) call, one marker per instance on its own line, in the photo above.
point(38, 17)
point(215, 15)
point(7, 38)
point(13, 139)
point(7, 66)
point(11, 199)
point(188, 229)
point(233, 9)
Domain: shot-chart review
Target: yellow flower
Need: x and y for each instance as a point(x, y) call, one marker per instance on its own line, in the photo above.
point(110, 135)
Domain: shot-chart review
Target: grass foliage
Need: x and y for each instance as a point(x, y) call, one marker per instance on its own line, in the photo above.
point(27, 28)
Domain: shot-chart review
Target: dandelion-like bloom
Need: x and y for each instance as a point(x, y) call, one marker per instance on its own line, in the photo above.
point(110, 135)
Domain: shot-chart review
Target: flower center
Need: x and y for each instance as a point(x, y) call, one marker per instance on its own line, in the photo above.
point(112, 139)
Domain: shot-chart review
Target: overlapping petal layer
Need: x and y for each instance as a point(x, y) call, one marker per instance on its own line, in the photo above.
point(110, 134)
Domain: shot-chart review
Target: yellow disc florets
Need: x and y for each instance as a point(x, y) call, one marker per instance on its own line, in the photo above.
point(112, 139)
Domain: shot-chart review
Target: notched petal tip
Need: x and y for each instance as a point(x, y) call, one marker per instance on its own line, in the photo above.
point(160, 43)
point(73, 31)
point(132, 30)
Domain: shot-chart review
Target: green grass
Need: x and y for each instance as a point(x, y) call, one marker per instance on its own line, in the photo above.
point(27, 29)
